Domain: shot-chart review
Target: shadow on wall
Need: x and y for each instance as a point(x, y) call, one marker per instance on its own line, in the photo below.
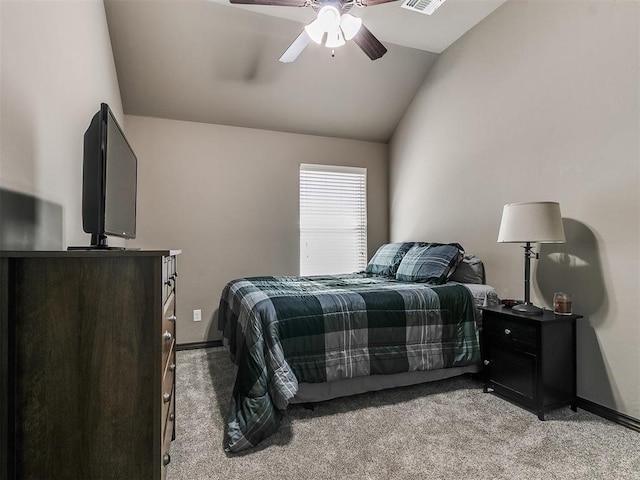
point(574, 267)
point(29, 223)
point(214, 333)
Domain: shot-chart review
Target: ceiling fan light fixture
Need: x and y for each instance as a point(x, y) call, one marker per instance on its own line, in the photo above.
point(350, 26)
point(332, 27)
point(335, 39)
point(328, 21)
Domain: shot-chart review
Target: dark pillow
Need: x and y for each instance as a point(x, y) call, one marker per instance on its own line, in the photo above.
point(431, 263)
point(386, 260)
point(470, 270)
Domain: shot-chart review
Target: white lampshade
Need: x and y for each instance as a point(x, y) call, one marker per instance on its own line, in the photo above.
point(539, 222)
point(350, 26)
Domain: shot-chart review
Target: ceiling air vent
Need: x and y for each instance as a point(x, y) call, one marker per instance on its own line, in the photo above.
point(422, 6)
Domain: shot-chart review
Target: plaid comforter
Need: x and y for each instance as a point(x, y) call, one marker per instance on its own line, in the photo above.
point(285, 330)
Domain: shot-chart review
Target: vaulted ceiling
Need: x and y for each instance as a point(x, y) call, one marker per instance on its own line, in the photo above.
point(210, 61)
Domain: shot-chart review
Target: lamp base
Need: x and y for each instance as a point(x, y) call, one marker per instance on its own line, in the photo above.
point(527, 308)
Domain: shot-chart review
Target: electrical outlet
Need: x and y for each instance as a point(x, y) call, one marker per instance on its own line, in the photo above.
point(197, 315)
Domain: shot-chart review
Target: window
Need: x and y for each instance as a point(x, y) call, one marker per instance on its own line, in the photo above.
point(333, 219)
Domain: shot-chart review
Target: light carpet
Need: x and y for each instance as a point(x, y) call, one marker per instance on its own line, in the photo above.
point(442, 430)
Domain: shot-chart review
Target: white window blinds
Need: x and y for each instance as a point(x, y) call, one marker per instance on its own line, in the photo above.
point(333, 219)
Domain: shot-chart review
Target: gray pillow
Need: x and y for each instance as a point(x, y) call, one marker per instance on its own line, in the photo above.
point(470, 270)
point(386, 260)
point(431, 263)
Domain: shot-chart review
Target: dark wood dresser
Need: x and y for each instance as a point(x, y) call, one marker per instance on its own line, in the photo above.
point(87, 358)
point(530, 359)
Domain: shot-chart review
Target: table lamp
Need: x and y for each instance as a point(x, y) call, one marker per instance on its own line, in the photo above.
point(531, 222)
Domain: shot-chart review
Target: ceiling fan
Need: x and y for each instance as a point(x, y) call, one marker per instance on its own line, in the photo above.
point(332, 28)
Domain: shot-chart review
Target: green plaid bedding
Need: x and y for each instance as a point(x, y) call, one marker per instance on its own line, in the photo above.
point(285, 330)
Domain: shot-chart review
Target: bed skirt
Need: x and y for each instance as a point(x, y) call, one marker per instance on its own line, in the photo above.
point(319, 392)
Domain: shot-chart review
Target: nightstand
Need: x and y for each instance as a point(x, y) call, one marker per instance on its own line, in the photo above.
point(530, 359)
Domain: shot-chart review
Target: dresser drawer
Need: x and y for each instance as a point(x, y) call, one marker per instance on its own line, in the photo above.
point(167, 425)
point(168, 328)
point(169, 276)
point(168, 383)
point(515, 334)
point(167, 435)
point(169, 313)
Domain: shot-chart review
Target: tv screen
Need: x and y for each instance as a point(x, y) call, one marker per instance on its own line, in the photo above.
point(120, 183)
point(109, 181)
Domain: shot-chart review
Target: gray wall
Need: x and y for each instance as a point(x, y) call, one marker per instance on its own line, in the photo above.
point(228, 197)
point(57, 67)
point(540, 101)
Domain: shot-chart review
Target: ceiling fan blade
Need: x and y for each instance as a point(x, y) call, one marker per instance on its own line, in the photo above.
point(369, 3)
point(296, 48)
point(281, 3)
point(369, 44)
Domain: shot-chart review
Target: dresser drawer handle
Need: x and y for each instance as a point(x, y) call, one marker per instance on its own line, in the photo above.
point(172, 417)
point(172, 318)
point(172, 367)
point(167, 335)
point(507, 331)
point(166, 397)
point(166, 458)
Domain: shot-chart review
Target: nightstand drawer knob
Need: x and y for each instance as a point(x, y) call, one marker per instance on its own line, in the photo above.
point(507, 331)
point(486, 362)
point(166, 335)
point(166, 459)
point(172, 318)
point(172, 417)
point(166, 397)
point(172, 367)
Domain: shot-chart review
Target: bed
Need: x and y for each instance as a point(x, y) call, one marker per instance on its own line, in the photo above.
point(306, 339)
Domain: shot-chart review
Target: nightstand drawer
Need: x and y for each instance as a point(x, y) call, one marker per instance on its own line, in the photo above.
point(515, 334)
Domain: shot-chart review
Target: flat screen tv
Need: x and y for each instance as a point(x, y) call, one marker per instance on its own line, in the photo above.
point(109, 181)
